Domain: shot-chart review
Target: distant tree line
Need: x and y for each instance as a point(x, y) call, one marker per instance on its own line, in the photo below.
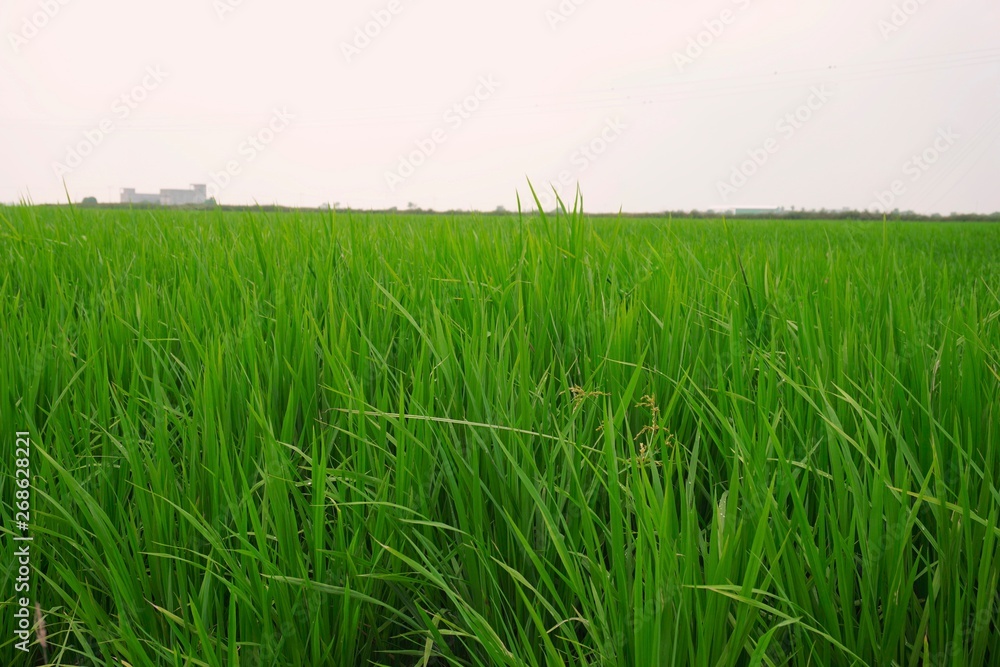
point(413, 209)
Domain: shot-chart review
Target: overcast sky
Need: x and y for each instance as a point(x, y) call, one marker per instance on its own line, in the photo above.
point(648, 105)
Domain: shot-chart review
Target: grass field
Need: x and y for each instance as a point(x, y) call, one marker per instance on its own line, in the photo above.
point(345, 439)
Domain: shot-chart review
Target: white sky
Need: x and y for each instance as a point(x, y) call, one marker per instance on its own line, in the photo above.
point(610, 68)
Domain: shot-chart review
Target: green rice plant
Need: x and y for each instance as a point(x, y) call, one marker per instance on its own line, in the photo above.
point(335, 438)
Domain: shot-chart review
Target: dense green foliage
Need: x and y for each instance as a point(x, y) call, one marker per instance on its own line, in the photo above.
point(327, 439)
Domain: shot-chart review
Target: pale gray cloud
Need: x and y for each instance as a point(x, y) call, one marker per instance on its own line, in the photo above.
point(698, 88)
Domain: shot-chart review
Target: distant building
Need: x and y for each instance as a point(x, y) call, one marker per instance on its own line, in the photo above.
point(198, 194)
point(753, 211)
